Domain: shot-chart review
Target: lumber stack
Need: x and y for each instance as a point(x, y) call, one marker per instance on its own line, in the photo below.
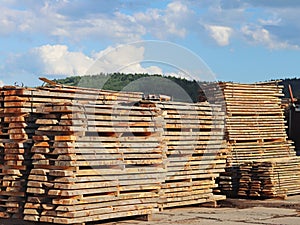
point(17, 127)
point(196, 153)
point(271, 178)
point(256, 136)
point(76, 155)
point(18, 124)
point(88, 168)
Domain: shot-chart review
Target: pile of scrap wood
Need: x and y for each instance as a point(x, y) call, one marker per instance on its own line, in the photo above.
point(74, 155)
point(261, 162)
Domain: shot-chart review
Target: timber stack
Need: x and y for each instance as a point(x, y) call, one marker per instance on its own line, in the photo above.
point(18, 124)
point(196, 153)
point(262, 161)
point(88, 169)
point(76, 155)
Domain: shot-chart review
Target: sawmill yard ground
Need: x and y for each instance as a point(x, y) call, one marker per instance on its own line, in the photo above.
point(229, 212)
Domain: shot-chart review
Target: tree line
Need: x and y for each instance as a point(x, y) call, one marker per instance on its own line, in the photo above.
point(180, 89)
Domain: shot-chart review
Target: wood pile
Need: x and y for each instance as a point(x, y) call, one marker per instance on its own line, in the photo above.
point(196, 153)
point(271, 178)
point(18, 123)
point(16, 131)
point(89, 169)
point(75, 155)
point(256, 137)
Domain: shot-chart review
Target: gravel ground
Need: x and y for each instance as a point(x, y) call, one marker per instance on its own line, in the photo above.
point(231, 212)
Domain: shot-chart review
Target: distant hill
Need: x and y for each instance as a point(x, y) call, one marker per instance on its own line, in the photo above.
point(179, 88)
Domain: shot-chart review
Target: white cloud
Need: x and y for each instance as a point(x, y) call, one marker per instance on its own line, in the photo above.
point(259, 35)
point(1, 83)
point(221, 34)
point(126, 59)
point(55, 60)
point(48, 60)
point(119, 22)
point(172, 21)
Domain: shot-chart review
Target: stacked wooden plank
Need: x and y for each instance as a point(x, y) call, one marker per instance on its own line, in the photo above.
point(196, 153)
point(18, 123)
point(256, 136)
point(73, 155)
point(87, 168)
point(271, 178)
point(16, 130)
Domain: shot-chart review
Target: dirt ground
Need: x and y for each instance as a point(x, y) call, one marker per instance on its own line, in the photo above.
point(230, 212)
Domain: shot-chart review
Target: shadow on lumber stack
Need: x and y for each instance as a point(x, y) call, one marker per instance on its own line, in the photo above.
point(262, 162)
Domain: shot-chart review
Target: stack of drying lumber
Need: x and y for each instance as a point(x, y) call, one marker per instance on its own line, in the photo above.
point(95, 162)
point(18, 124)
point(16, 130)
point(271, 178)
point(73, 155)
point(256, 136)
point(196, 153)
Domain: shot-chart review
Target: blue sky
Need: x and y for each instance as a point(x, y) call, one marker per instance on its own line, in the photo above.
point(242, 41)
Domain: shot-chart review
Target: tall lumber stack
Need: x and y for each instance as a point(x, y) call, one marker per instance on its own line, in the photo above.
point(256, 137)
point(196, 153)
point(89, 169)
point(15, 153)
point(18, 123)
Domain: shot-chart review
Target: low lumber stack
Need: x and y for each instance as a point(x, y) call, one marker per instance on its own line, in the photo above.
point(262, 161)
point(196, 153)
point(88, 169)
point(272, 178)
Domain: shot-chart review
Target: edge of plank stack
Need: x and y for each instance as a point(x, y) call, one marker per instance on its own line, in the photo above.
point(261, 159)
point(196, 153)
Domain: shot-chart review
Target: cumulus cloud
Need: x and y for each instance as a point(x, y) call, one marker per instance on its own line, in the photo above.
point(173, 21)
point(57, 59)
point(53, 60)
point(120, 22)
point(259, 35)
point(49, 60)
point(79, 20)
point(126, 59)
point(221, 34)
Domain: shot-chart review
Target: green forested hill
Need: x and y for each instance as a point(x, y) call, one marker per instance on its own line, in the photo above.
point(178, 88)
